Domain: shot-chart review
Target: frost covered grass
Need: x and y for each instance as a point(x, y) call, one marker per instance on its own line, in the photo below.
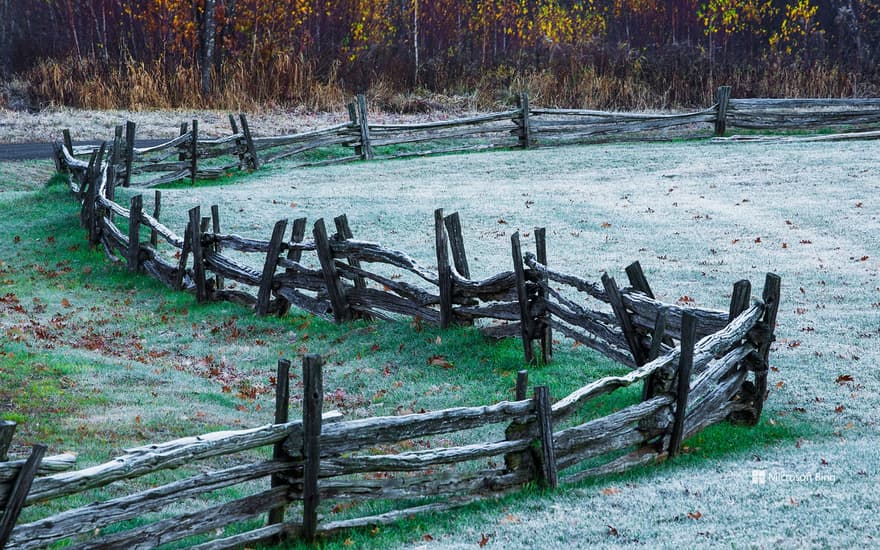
point(699, 216)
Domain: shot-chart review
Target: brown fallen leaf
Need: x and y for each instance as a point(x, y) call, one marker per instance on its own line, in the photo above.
point(695, 515)
point(613, 531)
point(843, 378)
point(484, 539)
point(608, 491)
point(440, 361)
point(839, 409)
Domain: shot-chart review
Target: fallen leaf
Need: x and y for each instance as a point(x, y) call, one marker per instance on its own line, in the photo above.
point(844, 378)
point(502, 221)
point(348, 542)
point(612, 531)
point(695, 515)
point(427, 537)
point(440, 361)
point(484, 539)
point(608, 491)
point(793, 502)
point(839, 409)
point(780, 384)
point(757, 240)
point(606, 225)
point(65, 302)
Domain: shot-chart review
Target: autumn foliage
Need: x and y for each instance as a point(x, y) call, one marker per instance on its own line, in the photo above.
point(590, 53)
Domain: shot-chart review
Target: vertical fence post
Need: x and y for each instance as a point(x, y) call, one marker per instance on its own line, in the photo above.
point(253, 159)
point(770, 295)
point(195, 231)
point(94, 193)
point(546, 323)
point(649, 388)
point(68, 143)
point(215, 247)
point(525, 136)
point(353, 120)
point(739, 300)
point(685, 364)
point(7, 430)
point(157, 209)
point(545, 423)
point(282, 411)
point(522, 384)
point(616, 301)
point(526, 325)
point(722, 98)
point(19, 492)
point(194, 152)
point(456, 242)
point(240, 149)
point(272, 255)
point(335, 288)
point(444, 272)
point(184, 256)
point(134, 233)
point(184, 127)
point(363, 123)
point(343, 230)
point(313, 398)
point(130, 128)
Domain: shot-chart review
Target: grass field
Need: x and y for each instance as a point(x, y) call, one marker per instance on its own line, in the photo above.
point(94, 360)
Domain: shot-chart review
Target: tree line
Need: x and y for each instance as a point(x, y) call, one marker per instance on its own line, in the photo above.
point(447, 45)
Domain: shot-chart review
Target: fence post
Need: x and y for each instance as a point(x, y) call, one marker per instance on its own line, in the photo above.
point(313, 398)
point(68, 143)
point(184, 126)
point(129, 151)
point(134, 232)
point(240, 150)
point(282, 411)
point(195, 231)
point(722, 98)
point(335, 289)
point(545, 422)
point(272, 255)
point(184, 256)
point(116, 154)
point(639, 282)
point(254, 160)
point(456, 242)
point(215, 246)
point(344, 232)
point(444, 271)
point(366, 148)
point(194, 152)
point(685, 364)
point(616, 301)
point(19, 492)
point(157, 209)
point(353, 120)
point(770, 295)
point(525, 323)
point(547, 329)
point(525, 136)
point(7, 430)
point(522, 384)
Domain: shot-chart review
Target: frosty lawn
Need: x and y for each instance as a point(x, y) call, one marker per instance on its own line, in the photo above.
point(679, 209)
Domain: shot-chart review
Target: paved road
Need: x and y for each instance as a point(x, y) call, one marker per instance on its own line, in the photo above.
point(28, 151)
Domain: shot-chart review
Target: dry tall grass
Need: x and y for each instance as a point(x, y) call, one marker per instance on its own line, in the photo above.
point(620, 80)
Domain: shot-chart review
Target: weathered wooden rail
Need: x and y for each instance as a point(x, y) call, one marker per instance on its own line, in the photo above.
point(192, 156)
point(696, 367)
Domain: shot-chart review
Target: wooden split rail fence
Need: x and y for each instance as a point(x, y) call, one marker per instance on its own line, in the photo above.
point(322, 465)
point(696, 367)
point(190, 155)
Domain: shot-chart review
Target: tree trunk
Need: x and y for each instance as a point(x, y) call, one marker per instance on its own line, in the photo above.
point(209, 30)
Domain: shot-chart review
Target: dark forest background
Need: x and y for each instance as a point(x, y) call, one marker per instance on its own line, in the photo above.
point(413, 54)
